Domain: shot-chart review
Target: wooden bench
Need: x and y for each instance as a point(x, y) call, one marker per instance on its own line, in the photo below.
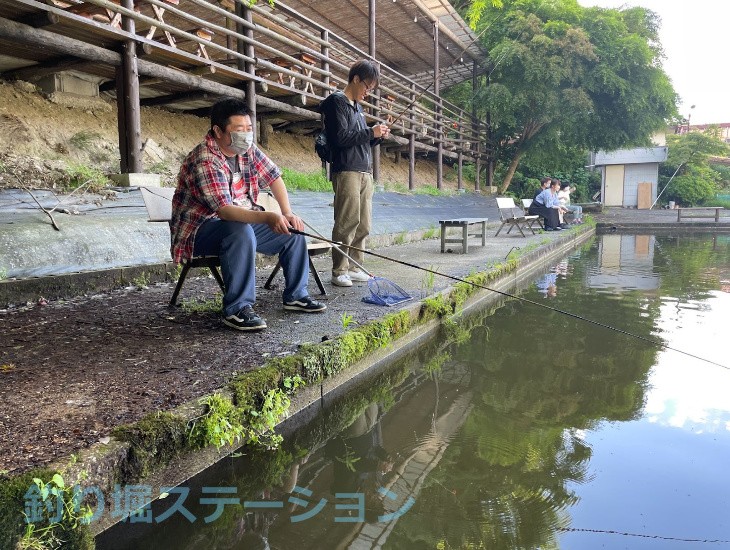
point(464, 224)
point(509, 215)
point(700, 212)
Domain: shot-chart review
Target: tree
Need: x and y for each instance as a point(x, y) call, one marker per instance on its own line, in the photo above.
point(563, 76)
point(695, 181)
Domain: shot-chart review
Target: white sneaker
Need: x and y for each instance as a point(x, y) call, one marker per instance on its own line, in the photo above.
point(358, 276)
point(341, 280)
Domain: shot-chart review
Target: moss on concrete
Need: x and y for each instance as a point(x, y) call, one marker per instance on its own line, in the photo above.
point(154, 441)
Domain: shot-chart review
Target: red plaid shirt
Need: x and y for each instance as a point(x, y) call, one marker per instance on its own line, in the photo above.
point(204, 186)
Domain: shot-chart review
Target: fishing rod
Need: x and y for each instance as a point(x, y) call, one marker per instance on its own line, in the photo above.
point(510, 295)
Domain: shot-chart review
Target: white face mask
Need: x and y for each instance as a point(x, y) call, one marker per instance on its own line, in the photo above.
point(241, 142)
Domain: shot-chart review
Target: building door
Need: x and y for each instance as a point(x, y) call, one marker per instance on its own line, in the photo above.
point(613, 185)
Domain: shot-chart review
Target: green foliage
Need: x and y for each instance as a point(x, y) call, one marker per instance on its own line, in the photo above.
point(314, 181)
point(568, 77)
point(221, 423)
point(696, 181)
point(430, 233)
point(400, 238)
point(261, 422)
point(397, 187)
point(429, 280)
point(160, 167)
point(82, 175)
point(724, 173)
point(142, 281)
point(70, 531)
point(432, 190)
point(203, 306)
point(3, 273)
point(725, 203)
point(83, 140)
point(698, 184)
point(347, 320)
point(436, 306)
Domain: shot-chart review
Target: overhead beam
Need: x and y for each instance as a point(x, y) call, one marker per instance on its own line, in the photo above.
point(50, 66)
point(175, 98)
point(63, 44)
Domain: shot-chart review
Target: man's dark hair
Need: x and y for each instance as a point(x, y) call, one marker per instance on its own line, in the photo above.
point(555, 180)
point(366, 70)
point(225, 109)
point(545, 180)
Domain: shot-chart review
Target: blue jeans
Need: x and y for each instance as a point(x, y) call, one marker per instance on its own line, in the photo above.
point(237, 243)
point(576, 210)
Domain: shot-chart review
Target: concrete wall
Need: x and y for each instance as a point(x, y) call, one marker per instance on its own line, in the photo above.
point(633, 175)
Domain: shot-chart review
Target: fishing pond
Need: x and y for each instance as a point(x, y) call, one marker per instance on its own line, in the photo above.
point(517, 426)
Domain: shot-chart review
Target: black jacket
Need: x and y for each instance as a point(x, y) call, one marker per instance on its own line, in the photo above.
point(347, 134)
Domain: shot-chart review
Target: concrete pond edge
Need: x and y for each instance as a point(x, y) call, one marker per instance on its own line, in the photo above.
point(159, 447)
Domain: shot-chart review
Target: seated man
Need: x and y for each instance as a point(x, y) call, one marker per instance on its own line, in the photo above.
point(546, 205)
point(214, 212)
point(544, 184)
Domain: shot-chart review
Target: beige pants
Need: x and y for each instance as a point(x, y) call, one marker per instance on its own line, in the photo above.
point(353, 215)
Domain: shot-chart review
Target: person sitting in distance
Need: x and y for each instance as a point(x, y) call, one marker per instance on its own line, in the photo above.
point(564, 198)
point(214, 213)
point(546, 204)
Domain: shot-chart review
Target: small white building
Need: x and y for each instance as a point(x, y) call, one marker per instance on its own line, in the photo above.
point(629, 176)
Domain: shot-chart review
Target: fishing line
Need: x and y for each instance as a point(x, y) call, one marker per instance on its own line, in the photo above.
point(640, 535)
point(510, 295)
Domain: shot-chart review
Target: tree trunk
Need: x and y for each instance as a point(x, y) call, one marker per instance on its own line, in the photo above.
point(510, 171)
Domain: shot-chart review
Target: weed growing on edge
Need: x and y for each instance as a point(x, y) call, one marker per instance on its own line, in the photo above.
point(400, 238)
point(347, 320)
point(430, 233)
point(429, 280)
point(219, 425)
point(3, 274)
point(61, 512)
point(142, 281)
point(175, 272)
point(275, 406)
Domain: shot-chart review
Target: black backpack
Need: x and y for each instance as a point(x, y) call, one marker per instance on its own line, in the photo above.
point(321, 145)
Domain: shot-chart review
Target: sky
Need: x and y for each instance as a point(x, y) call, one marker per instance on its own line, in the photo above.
point(694, 36)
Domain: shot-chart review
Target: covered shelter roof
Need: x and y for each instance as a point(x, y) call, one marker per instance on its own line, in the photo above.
point(404, 35)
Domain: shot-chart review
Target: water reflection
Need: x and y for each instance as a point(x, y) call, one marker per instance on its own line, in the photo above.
point(512, 427)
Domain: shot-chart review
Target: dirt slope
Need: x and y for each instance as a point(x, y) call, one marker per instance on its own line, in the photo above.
point(42, 137)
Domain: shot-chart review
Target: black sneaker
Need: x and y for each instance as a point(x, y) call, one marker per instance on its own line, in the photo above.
point(306, 305)
point(245, 319)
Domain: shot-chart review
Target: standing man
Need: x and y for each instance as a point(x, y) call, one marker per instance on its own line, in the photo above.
point(214, 212)
point(350, 140)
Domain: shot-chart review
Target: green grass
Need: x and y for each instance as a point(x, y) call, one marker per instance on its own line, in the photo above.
point(314, 181)
point(431, 232)
point(432, 190)
point(396, 187)
point(718, 202)
point(83, 140)
point(81, 174)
